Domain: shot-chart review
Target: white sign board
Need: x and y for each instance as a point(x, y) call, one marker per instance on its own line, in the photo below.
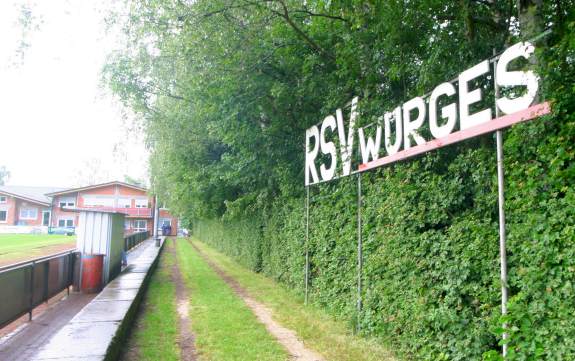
point(397, 135)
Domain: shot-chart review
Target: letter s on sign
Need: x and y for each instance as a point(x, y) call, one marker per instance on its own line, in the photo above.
point(327, 148)
point(516, 78)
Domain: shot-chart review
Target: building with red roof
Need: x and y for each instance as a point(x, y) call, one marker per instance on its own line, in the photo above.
point(35, 209)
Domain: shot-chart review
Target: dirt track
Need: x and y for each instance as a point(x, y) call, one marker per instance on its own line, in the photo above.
point(286, 337)
point(186, 337)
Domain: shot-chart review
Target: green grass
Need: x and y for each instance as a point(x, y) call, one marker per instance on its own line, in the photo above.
point(319, 331)
point(19, 247)
point(155, 333)
point(224, 327)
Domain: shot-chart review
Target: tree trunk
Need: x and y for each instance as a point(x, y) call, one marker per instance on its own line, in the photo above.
point(530, 18)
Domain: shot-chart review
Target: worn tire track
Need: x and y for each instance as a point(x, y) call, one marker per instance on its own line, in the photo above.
point(186, 339)
point(286, 337)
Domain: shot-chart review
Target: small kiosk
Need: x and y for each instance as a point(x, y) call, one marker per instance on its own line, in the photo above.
point(100, 240)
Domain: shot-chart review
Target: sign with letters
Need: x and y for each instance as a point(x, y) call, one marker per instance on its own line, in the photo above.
point(330, 147)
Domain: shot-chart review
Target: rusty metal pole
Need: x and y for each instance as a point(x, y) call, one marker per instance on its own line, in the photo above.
point(501, 204)
point(306, 244)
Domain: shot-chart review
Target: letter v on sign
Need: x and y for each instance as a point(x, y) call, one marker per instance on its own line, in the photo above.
point(346, 143)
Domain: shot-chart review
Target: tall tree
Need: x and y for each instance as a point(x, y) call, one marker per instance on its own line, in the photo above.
point(135, 181)
point(4, 175)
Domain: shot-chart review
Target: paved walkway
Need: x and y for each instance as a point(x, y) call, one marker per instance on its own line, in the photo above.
point(138, 250)
point(74, 316)
point(25, 342)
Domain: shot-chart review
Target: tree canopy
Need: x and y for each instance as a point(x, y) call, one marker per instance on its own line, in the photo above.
point(227, 88)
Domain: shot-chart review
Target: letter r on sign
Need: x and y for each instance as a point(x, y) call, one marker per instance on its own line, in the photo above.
point(310, 155)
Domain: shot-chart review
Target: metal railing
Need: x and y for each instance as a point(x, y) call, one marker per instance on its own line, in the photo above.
point(25, 285)
point(133, 240)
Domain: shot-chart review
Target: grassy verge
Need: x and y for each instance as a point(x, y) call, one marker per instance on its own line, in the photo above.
point(224, 328)
point(319, 331)
point(155, 333)
point(20, 247)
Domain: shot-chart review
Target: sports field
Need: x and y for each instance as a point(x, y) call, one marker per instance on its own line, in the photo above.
point(21, 247)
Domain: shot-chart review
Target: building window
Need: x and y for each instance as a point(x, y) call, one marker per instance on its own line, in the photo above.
point(3, 199)
point(3, 216)
point(140, 225)
point(67, 202)
point(127, 224)
point(66, 222)
point(124, 203)
point(141, 203)
point(165, 222)
point(95, 201)
point(28, 213)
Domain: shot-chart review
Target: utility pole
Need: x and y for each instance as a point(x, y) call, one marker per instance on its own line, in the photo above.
point(156, 216)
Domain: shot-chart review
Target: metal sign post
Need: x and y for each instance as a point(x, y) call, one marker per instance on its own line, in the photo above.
point(359, 252)
point(306, 244)
point(502, 238)
point(501, 203)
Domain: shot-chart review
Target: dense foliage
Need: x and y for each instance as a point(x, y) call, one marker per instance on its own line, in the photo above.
point(225, 90)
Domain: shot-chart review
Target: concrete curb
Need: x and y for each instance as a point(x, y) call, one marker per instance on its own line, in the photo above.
point(99, 330)
point(116, 346)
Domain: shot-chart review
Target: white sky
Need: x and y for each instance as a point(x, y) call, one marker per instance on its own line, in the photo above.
point(58, 127)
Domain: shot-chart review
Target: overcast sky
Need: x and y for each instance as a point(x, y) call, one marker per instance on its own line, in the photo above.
point(58, 127)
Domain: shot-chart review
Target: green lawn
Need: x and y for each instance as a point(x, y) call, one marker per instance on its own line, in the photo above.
point(224, 327)
point(155, 334)
point(320, 332)
point(21, 247)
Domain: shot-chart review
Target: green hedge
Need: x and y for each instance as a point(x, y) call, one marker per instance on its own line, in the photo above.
point(431, 248)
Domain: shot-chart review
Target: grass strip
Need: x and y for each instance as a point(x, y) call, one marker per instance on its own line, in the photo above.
point(155, 334)
point(318, 330)
point(224, 327)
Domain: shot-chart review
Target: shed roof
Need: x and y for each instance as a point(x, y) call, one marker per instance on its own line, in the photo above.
point(90, 210)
